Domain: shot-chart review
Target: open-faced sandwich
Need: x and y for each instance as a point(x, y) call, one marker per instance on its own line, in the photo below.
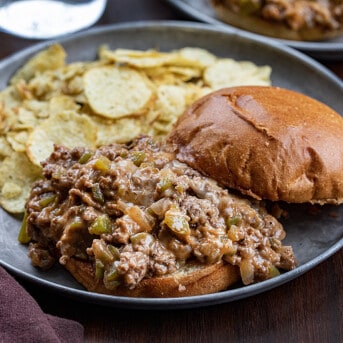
point(132, 220)
point(151, 219)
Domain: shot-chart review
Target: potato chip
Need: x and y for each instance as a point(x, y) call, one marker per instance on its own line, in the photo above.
point(148, 118)
point(162, 76)
point(62, 103)
point(194, 92)
point(75, 85)
point(158, 65)
point(51, 58)
point(46, 85)
point(9, 102)
point(9, 98)
point(184, 73)
point(187, 57)
point(43, 109)
point(17, 174)
point(171, 102)
point(117, 92)
point(38, 107)
point(66, 128)
point(23, 90)
point(160, 129)
point(71, 76)
point(26, 119)
point(11, 190)
point(72, 70)
point(229, 73)
point(136, 58)
point(17, 140)
point(122, 130)
point(192, 57)
point(198, 56)
point(5, 148)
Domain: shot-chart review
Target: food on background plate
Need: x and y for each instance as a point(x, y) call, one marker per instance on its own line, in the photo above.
point(131, 220)
point(267, 142)
point(122, 94)
point(302, 20)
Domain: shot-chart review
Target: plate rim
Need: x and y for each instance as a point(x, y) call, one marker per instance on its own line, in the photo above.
point(185, 302)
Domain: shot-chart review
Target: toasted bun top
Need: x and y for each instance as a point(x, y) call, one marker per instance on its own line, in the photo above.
point(267, 142)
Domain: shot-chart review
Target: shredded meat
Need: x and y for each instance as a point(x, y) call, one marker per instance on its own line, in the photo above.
point(136, 212)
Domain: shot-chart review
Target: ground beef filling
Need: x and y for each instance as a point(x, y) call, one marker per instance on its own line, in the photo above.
point(136, 212)
point(295, 14)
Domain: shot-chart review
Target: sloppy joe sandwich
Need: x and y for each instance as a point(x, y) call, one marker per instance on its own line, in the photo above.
point(305, 20)
point(266, 142)
point(131, 220)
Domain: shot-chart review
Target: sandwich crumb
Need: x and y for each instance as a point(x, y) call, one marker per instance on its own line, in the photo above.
point(182, 288)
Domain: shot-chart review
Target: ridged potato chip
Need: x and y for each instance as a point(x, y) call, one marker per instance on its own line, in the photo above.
point(51, 58)
point(66, 128)
point(122, 130)
point(9, 102)
point(229, 73)
point(186, 57)
point(18, 139)
point(26, 119)
point(17, 174)
point(136, 58)
point(200, 57)
point(116, 92)
point(173, 74)
point(171, 102)
point(5, 148)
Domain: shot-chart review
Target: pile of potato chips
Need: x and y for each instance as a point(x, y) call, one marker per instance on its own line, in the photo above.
point(122, 94)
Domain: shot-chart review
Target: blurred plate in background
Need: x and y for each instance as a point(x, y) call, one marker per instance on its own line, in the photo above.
point(202, 11)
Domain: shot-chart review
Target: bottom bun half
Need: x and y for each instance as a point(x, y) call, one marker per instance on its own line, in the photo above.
point(191, 280)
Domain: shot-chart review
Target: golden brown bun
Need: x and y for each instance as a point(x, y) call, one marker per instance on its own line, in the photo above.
point(191, 280)
point(261, 26)
point(266, 142)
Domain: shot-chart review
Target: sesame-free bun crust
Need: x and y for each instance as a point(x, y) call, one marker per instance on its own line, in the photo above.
point(191, 280)
point(256, 24)
point(266, 142)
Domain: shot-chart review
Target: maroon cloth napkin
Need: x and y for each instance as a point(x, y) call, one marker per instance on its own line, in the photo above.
point(22, 320)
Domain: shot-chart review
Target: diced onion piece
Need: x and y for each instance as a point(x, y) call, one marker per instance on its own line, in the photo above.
point(247, 271)
point(138, 215)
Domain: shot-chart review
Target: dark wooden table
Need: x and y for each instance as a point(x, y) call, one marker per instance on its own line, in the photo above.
point(308, 309)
